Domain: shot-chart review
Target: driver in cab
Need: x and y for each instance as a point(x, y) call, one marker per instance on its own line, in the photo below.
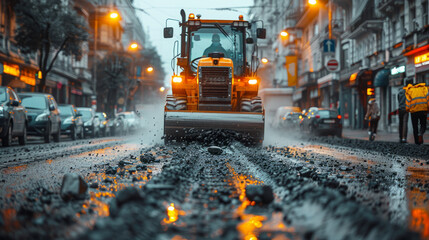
point(215, 46)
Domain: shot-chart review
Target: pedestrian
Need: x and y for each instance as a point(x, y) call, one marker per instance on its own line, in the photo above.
point(373, 115)
point(403, 114)
point(417, 103)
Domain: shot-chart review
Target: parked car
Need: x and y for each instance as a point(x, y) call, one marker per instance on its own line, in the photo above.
point(91, 123)
point(13, 117)
point(118, 126)
point(306, 117)
point(325, 122)
point(71, 121)
point(43, 115)
point(291, 119)
point(104, 123)
point(131, 119)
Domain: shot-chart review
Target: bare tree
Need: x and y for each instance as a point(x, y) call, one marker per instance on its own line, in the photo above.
point(48, 28)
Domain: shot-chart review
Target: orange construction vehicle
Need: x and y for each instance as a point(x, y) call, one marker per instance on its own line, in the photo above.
point(214, 84)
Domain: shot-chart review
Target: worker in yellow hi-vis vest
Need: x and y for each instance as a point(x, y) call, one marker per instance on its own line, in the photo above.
point(417, 104)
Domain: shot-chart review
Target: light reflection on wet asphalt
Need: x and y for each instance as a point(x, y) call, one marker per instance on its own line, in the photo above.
point(407, 204)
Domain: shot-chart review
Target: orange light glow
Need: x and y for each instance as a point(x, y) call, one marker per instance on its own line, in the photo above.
point(162, 89)
point(134, 46)
point(312, 2)
point(370, 91)
point(11, 69)
point(253, 81)
point(177, 79)
point(339, 117)
point(264, 60)
point(191, 16)
point(172, 213)
point(113, 15)
point(149, 69)
point(284, 34)
point(421, 58)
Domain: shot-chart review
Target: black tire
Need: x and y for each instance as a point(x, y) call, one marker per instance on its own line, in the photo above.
point(7, 139)
point(47, 136)
point(73, 134)
point(82, 134)
point(176, 103)
point(371, 137)
point(245, 105)
point(57, 135)
point(339, 134)
point(23, 139)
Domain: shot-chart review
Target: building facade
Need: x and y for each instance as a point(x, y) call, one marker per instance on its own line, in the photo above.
point(377, 44)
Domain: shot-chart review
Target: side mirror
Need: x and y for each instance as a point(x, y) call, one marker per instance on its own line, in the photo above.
point(249, 40)
point(261, 33)
point(14, 103)
point(52, 107)
point(168, 32)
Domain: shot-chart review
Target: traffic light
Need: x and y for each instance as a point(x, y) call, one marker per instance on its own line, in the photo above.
point(39, 75)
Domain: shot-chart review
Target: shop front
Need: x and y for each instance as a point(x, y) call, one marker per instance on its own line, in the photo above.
point(19, 77)
point(362, 88)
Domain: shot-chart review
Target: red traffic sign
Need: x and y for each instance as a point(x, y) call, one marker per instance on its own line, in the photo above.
point(332, 65)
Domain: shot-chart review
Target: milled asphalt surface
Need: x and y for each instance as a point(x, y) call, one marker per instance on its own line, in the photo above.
point(139, 188)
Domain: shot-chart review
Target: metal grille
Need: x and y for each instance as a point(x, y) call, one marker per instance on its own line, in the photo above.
point(215, 81)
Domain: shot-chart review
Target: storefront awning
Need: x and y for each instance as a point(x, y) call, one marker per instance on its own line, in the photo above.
point(359, 76)
point(382, 78)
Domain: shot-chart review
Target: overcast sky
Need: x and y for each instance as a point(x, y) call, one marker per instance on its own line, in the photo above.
point(159, 10)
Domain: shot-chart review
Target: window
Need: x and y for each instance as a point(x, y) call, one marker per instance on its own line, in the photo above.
point(316, 29)
point(425, 6)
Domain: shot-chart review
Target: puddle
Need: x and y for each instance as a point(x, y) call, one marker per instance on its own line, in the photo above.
point(254, 225)
point(418, 202)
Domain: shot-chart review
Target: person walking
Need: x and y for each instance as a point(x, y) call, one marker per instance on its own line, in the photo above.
point(373, 115)
point(417, 103)
point(403, 114)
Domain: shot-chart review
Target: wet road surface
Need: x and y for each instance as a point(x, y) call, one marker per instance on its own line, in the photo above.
point(293, 187)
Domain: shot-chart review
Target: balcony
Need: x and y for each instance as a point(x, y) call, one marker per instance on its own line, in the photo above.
point(307, 79)
point(389, 6)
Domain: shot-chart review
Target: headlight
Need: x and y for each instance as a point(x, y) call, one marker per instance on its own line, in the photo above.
point(42, 117)
point(88, 123)
point(68, 120)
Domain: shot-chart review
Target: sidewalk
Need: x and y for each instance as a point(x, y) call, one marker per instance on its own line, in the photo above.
point(382, 135)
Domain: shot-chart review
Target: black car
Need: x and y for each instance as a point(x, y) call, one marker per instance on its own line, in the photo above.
point(325, 122)
point(71, 121)
point(13, 117)
point(91, 123)
point(43, 115)
point(104, 123)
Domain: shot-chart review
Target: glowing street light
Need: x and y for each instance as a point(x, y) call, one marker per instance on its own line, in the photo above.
point(113, 15)
point(284, 33)
point(149, 69)
point(264, 60)
point(312, 2)
point(134, 46)
point(162, 89)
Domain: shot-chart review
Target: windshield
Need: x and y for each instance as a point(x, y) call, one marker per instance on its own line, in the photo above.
point(86, 114)
point(34, 102)
point(65, 111)
point(218, 38)
point(327, 114)
point(3, 95)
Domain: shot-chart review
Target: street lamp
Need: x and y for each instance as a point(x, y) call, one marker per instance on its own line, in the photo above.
point(283, 33)
point(162, 89)
point(264, 60)
point(134, 46)
point(112, 15)
point(149, 69)
point(314, 2)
